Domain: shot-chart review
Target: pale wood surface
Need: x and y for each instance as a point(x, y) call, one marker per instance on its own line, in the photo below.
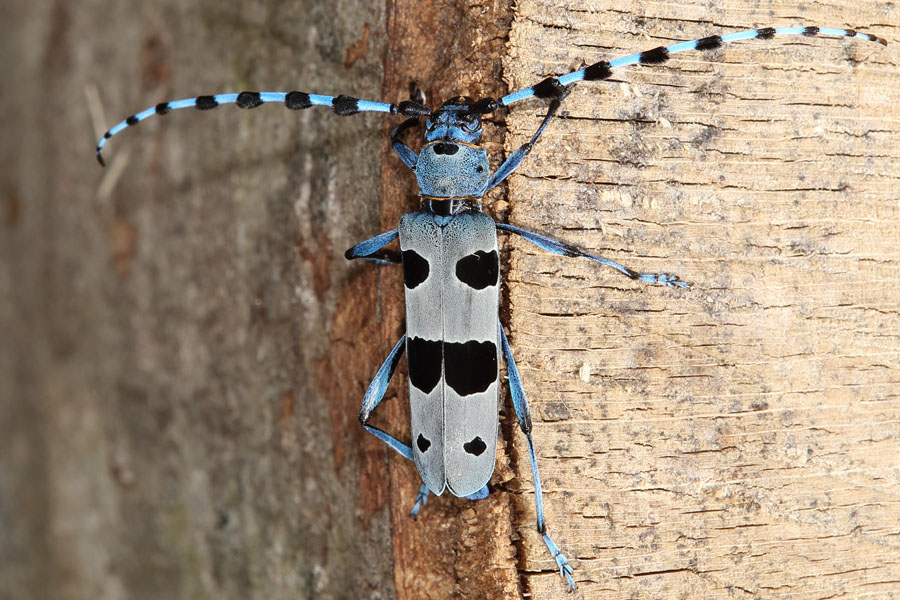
point(741, 439)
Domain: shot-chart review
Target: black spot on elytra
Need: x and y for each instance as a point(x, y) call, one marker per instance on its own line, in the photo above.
point(345, 105)
point(248, 100)
point(476, 447)
point(425, 358)
point(479, 270)
point(600, 70)
point(206, 102)
point(415, 269)
point(655, 56)
point(766, 33)
point(470, 367)
point(297, 100)
point(709, 43)
point(423, 443)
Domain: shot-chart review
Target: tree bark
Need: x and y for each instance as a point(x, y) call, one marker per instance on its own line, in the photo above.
point(185, 347)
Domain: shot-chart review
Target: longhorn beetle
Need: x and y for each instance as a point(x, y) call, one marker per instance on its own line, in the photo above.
point(451, 269)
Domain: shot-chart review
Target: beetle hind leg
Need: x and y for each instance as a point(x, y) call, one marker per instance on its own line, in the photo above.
point(373, 397)
point(421, 500)
point(562, 563)
point(520, 403)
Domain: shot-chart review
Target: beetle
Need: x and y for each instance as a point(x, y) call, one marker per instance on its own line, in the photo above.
point(454, 340)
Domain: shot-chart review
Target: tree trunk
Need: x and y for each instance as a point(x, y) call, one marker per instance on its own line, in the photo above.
point(184, 340)
point(185, 347)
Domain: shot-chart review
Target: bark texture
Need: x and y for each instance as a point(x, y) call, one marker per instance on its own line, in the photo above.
point(185, 348)
point(456, 549)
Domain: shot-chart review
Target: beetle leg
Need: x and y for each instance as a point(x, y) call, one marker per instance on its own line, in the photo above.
point(516, 158)
point(371, 249)
point(520, 403)
point(375, 394)
point(373, 397)
point(564, 249)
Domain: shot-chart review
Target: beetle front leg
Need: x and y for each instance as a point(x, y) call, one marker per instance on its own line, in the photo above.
point(516, 158)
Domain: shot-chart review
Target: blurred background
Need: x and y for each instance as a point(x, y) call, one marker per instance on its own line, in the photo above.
point(176, 418)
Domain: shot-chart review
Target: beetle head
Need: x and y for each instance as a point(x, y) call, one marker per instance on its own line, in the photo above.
point(454, 120)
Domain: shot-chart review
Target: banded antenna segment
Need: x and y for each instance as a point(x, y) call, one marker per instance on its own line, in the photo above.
point(549, 88)
point(341, 105)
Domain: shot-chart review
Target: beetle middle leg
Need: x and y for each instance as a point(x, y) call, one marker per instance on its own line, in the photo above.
point(373, 249)
point(564, 249)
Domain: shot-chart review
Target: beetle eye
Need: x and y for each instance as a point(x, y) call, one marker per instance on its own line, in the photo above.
point(471, 124)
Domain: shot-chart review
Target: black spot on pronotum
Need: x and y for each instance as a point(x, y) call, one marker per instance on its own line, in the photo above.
point(415, 269)
point(766, 33)
point(548, 88)
point(470, 367)
point(811, 31)
point(248, 100)
point(423, 443)
point(206, 102)
point(596, 71)
point(297, 100)
point(479, 270)
point(655, 56)
point(424, 357)
point(345, 105)
point(476, 447)
point(131, 121)
point(445, 148)
point(709, 43)
point(163, 108)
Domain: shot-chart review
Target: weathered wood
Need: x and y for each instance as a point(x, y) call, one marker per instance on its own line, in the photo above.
point(740, 439)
